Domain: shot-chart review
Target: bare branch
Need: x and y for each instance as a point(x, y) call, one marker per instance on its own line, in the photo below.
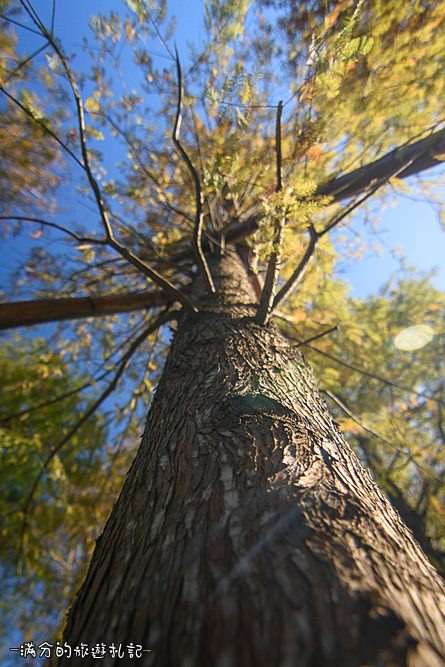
point(8, 19)
point(417, 157)
point(349, 209)
point(158, 32)
point(267, 295)
point(153, 275)
point(94, 380)
point(43, 125)
point(82, 131)
point(112, 241)
point(27, 6)
point(24, 62)
point(53, 16)
point(53, 225)
point(52, 401)
point(362, 371)
point(317, 336)
point(199, 217)
point(297, 277)
point(29, 313)
point(150, 175)
point(360, 201)
point(299, 273)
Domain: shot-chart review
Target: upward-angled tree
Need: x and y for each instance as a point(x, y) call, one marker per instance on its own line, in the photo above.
point(247, 531)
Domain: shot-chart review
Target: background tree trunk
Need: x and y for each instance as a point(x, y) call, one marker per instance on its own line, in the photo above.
point(247, 532)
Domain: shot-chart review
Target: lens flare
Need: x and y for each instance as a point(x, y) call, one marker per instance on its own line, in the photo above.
point(413, 338)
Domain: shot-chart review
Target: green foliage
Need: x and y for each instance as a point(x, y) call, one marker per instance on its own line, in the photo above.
point(48, 531)
point(77, 489)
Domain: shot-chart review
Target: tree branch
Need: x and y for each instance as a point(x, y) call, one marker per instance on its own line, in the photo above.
point(81, 123)
point(267, 295)
point(199, 217)
point(43, 125)
point(53, 225)
point(8, 19)
point(153, 275)
point(299, 273)
point(94, 381)
point(374, 376)
point(29, 313)
point(419, 156)
point(112, 241)
point(317, 336)
point(362, 371)
point(24, 62)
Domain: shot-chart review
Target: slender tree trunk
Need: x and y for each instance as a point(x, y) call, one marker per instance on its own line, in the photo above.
point(247, 533)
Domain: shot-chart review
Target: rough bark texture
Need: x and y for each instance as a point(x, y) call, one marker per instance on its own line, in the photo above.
point(247, 533)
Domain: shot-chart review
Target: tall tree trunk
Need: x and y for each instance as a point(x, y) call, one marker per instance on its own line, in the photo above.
point(247, 533)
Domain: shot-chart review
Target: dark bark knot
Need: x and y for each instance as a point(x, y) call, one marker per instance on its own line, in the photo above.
point(254, 404)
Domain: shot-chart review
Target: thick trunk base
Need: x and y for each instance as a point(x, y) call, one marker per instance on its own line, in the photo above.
point(247, 533)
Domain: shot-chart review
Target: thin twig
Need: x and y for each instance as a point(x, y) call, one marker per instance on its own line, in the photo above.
point(297, 276)
point(199, 217)
point(423, 155)
point(158, 32)
point(27, 6)
point(53, 225)
point(72, 392)
point(373, 376)
point(43, 125)
point(112, 241)
point(153, 275)
point(53, 17)
point(267, 295)
point(24, 62)
point(351, 208)
point(56, 399)
point(152, 177)
point(320, 335)
point(82, 131)
point(201, 164)
point(391, 445)
point(8, 19)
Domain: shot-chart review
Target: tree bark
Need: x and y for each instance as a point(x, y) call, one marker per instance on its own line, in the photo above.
point(247, 533)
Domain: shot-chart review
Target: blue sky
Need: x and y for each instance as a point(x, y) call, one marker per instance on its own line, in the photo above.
point(413, 228)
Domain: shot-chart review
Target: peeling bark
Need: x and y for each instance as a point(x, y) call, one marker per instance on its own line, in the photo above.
point(247, 533)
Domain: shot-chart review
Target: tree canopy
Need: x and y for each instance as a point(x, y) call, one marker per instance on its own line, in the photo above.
point(126, 162)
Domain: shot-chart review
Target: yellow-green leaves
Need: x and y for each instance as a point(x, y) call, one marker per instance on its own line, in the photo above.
point(92, 105)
